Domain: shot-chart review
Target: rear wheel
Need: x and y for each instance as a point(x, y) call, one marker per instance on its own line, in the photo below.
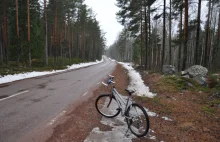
point(137, 120)
point(107, 106)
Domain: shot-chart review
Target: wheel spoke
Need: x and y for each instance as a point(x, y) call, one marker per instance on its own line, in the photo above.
point(138, 120)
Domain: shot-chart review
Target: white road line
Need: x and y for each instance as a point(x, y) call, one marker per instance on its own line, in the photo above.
point(55, 118)
point(14, 95)
point(85, 93)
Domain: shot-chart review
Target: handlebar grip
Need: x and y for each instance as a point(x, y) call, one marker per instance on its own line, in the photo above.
point(104, 84)
point(112, 82)
point(111, 76)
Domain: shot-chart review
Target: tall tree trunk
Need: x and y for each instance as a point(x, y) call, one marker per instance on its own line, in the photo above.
point(72, 41)
point(5, 36)
point(164, 32)
point(170, 50)
point(28, 26)
point(185, 36)
point(206, 58)
point(45, 34)
point(196, 60)
point(69, 37)
point(210, 38)
point(146, 37)
point(1, 45)
point(55, 32)
point(17, 32)
point(212, 42)
point(180, 38)
point(141, 40)
point(218, 34)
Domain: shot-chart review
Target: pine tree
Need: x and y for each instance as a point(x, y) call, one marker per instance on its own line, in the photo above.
point(185, 36)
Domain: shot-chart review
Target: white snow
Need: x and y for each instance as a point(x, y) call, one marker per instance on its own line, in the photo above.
point(20, 76)
point(166, 118)
point(112, 59)
point(136, 83)
point(150, 113)
point(117, 132)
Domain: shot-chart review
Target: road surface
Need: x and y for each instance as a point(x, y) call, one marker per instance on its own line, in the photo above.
point(31, 102)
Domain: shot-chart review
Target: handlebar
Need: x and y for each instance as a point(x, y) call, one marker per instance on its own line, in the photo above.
point(110, 80)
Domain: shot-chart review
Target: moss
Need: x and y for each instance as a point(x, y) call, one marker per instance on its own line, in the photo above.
point(208, 110)
point(171, 84)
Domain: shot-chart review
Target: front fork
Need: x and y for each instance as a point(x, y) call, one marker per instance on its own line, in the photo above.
point(111, 96)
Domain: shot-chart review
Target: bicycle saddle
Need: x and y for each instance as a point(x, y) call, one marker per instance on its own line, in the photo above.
point(130, 92)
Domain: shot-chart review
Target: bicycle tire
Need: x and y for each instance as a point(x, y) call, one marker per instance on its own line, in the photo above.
point(134, 122)
point(106, 106)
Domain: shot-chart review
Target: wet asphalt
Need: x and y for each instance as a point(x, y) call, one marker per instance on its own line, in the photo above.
point(39, 100)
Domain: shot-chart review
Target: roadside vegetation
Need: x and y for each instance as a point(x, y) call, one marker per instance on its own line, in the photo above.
point(49, 34)
point(38, 65)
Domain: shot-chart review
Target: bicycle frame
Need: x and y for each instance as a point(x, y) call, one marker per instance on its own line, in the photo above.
point(121, 101)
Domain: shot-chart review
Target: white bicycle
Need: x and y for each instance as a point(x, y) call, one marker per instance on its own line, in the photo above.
point(111, 104)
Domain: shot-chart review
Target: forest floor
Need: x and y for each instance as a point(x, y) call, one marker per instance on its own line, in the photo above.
point(194, 115)
point(181, 115)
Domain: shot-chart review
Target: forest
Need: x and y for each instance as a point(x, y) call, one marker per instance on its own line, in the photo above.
point(47, 34)
point(168, 32)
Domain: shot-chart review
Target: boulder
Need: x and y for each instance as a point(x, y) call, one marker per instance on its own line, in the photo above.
point(169, 69)
point(197, 73)
point(200, 80)
point(197, 70)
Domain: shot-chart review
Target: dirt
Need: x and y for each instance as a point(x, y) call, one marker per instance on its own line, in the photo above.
point(83, 118)
point(193, 118)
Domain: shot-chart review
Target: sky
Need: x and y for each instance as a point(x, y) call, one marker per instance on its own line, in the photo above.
point(105, 13)
point(106, 9)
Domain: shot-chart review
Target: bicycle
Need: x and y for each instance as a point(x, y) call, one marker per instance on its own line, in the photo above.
point(111, 104)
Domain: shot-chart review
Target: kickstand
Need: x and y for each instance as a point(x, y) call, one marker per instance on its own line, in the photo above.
point(127, 132)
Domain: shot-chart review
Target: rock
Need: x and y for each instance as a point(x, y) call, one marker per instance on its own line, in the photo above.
point(190, 84)
point(146, 72)
point(197, 70)
point(215, 96)
point(186, 76)
point(200, 80)
point(169, 69)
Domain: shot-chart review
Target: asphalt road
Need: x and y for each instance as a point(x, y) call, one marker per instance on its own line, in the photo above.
point(41, 100)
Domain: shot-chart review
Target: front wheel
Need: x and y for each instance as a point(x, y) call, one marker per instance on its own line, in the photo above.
point(137, 120)
point(107, 106)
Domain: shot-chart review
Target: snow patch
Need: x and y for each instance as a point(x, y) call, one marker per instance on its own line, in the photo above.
point(166, 118)
point(20, 76)
point(150, 113)
point(112, 59)
point(136, 83)
point(118, 131)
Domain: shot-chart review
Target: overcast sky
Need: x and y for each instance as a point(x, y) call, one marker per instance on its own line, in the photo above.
point(105, 10)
